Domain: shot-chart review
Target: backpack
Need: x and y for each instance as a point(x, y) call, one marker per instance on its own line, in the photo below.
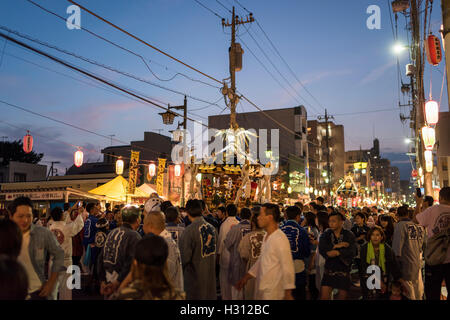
point(436, 248)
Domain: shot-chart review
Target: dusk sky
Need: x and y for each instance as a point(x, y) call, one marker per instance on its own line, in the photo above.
point(347, 67)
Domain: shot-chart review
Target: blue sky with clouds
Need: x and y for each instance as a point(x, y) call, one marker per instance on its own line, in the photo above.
point(347, 67)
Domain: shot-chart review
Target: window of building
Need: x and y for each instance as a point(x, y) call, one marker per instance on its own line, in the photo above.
point(445, 183)
point(444, 165)
point(20, 177)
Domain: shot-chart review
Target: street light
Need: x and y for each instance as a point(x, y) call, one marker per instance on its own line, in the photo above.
point(398, 48)
point(168, 117)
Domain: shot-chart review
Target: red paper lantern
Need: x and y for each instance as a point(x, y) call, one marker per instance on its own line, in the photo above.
point(433, 50)
point(78, 158)
point(414, 173)
point(27, 143)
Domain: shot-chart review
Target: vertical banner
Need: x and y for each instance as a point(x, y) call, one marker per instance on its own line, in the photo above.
point(160, 179)
point(133, 170)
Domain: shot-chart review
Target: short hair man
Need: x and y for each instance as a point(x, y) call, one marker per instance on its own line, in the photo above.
point(337, 245)
point(320, 201)
point(407, 245)
point(154, 223)
point(118, 251)
point(224, 254)
point(198, 255)
point(64, 231)
point(172, 223)
point(436, 219)
point(274, 270)
point(236, 267)
point(300, 249)
point(37, 241)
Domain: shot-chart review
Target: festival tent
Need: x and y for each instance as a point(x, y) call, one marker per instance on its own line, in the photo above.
point(150, 189)
point(117, 189)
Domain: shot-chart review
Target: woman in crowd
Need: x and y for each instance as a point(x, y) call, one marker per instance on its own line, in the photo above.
point(387, 224)
point(149, 273)
point(377, 252)
point(309, 223)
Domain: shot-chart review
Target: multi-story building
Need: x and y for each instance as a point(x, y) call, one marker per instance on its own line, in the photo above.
point(382, 177)
point(22, 172)
point(443, 148)
point(292, 148)
point(357, 162)
point(317, 147)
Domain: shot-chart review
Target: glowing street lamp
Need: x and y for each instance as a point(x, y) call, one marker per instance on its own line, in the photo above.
point(398, 48)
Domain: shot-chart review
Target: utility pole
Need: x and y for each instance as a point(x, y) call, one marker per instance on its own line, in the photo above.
point(418, 94)
point(235, 53)
point(112, 135)
point(52, 171)
point(184, 124)
point(327, 117)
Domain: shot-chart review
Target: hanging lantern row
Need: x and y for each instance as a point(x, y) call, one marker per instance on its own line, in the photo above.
point(428, 161)
point(429, 137)
point(27, 143)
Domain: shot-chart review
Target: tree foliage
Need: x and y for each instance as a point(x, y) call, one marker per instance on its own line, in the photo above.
point(13, 151)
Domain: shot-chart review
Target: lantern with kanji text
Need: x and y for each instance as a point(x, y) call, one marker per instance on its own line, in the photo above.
point(27, 143)
point(433, 50)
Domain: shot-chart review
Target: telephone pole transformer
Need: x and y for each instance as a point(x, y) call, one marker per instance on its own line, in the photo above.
point(235, 54)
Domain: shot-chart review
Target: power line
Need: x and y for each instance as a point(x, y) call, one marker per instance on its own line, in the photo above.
point(267, 70)
point(89, 74)
point(224, 6)
point(105, 66)
point(125, 49)
point(92, 84)
point(214, 13)
point(287, 65)
point(273, 65)
point(144, 42)
point(242, 6)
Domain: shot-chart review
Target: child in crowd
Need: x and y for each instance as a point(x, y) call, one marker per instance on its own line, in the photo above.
point(396, 291)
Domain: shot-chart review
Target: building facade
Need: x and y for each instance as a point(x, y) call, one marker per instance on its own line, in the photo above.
point(22, 172)
point(318, 153)
point(443, 149)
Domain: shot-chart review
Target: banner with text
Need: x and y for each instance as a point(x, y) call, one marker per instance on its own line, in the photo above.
point(160, 179)
point(132, 175)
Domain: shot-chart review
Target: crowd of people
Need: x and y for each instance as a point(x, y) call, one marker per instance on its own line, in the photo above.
point(268, 251)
